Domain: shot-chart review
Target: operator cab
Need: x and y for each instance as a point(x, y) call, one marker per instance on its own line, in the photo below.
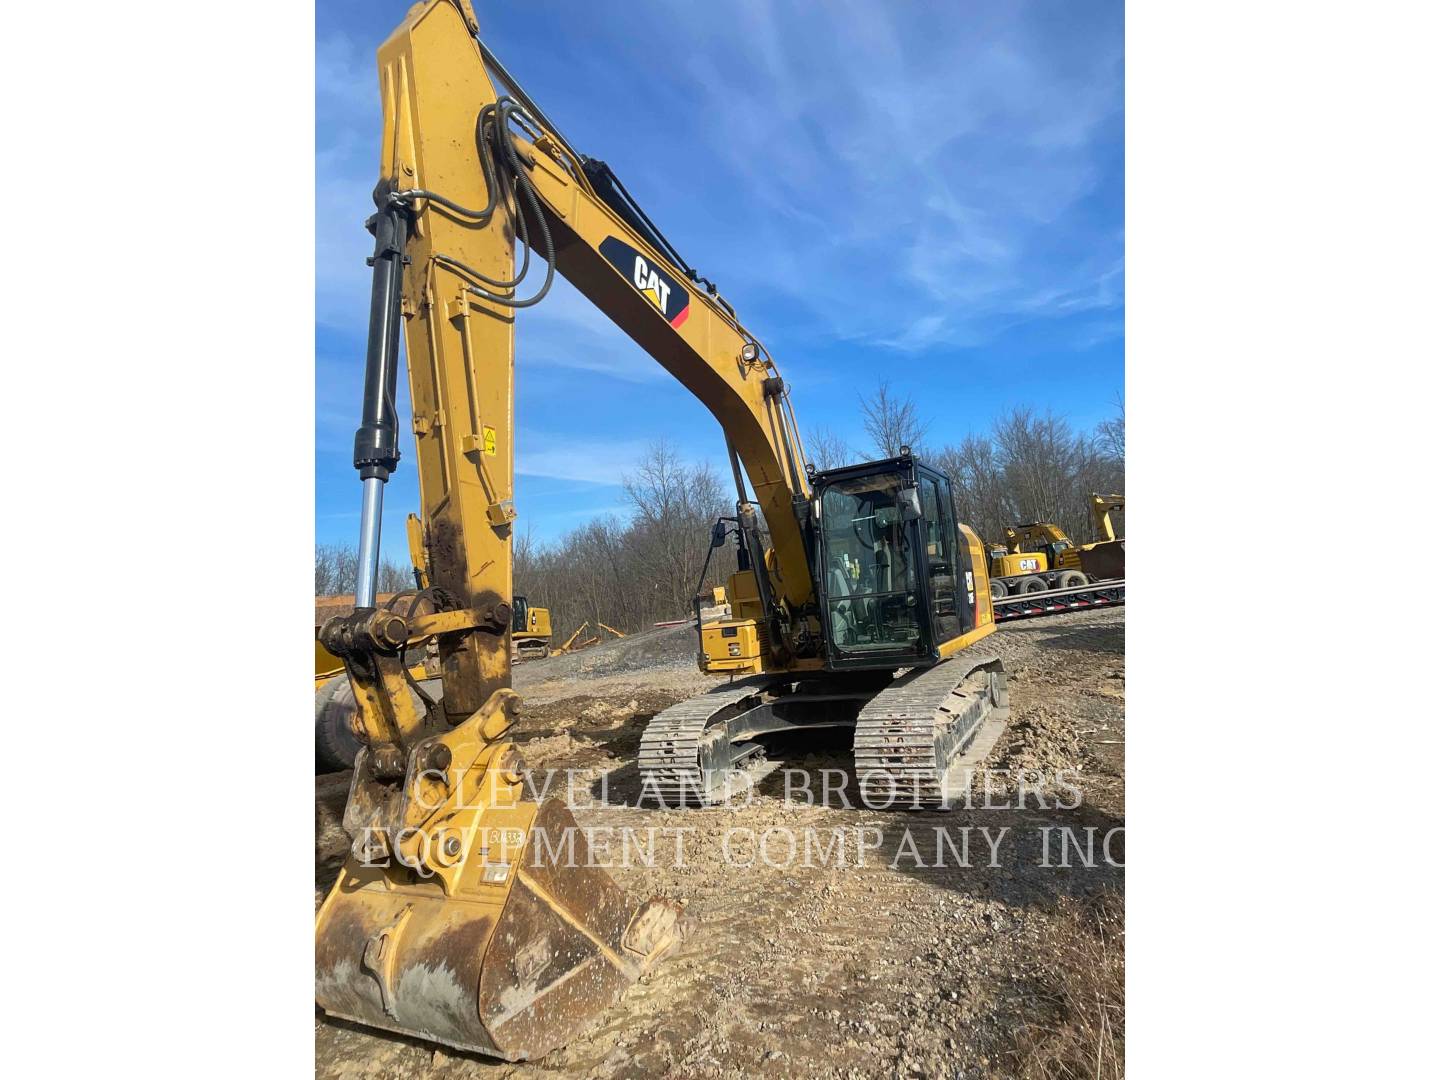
point(1037, 536)
point(1055, 551)
point(890, 558)
point(520, 616)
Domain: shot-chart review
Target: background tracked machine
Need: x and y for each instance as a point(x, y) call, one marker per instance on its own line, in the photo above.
point(458, 916)
point(1040, 571)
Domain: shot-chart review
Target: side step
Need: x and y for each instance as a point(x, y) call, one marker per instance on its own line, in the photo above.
point(918, 741)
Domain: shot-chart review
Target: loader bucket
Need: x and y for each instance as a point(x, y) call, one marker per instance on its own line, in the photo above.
point(510, 946)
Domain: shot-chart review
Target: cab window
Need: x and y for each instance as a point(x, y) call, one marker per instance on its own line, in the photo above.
point(871, 571)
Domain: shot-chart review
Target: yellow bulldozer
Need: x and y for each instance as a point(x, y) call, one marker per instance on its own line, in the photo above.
point(468, 912)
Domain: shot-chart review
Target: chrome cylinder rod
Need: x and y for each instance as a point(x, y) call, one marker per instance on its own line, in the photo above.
point(372, 500)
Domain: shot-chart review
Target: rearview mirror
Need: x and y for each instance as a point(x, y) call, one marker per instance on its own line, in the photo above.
point(717, 535)
point(909, 503)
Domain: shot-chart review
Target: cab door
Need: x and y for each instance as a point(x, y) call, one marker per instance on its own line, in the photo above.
point(941, 547)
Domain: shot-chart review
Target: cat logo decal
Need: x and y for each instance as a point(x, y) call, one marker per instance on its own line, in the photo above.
point(666, 295)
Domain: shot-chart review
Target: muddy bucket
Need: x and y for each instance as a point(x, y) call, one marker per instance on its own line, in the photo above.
point(511, 958)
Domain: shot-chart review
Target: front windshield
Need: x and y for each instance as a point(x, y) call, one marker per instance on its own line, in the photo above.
point(870, 569)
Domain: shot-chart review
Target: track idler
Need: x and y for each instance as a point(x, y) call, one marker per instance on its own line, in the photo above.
point(467, 913)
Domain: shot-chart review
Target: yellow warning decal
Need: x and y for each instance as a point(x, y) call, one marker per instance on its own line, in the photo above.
point(488, 436)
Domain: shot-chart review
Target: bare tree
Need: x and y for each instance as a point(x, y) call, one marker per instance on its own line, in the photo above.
point(1110, 434)
point(522, 552)
point(322, 571)
point(631, 571)
point(977, 480)
point(675, 506)
point(1049, 470)
point(827, 450)
point(892, 421)
point(1038, 456)
point(337, 565)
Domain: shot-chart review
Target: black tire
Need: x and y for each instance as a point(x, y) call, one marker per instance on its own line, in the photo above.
point(1033, 583)
point(335, 744)
point(998, 590)
point(1071, 579)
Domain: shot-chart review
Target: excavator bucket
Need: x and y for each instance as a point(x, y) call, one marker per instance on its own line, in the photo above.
point(468, 914)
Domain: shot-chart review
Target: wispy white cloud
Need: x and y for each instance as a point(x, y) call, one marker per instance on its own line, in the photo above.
point(567, 331)
point(923, 169)
point(909, 180)
point(586, 460)
point(347, 110)
point(563, 457)
point(860, 178)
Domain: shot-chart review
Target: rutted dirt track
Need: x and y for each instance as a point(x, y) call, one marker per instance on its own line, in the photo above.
point(890, 966)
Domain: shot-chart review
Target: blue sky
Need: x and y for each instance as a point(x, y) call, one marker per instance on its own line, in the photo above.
point(927, 193)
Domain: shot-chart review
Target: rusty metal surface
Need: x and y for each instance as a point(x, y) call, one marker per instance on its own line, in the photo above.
point(1104, 561)
point(326, 607)
point(509, 968)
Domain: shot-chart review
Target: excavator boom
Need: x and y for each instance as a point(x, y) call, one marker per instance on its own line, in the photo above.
point(1101, 507)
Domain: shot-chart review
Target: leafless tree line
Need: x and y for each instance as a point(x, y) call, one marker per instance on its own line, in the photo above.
point(336, 565)
point(1035, 467)
point(631, 573)
point(626, 573)
point(1026, 467)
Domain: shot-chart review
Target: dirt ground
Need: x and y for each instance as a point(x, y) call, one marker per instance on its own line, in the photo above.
point(884, 965)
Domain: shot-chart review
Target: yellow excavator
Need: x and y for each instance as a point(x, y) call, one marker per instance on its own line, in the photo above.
point(1104, 559)
point(468, 911)
point(1038, 555)
point(529, 630)
point(1035, 557)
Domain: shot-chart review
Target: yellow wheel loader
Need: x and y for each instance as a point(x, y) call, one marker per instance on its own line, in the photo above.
point(466, 912)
